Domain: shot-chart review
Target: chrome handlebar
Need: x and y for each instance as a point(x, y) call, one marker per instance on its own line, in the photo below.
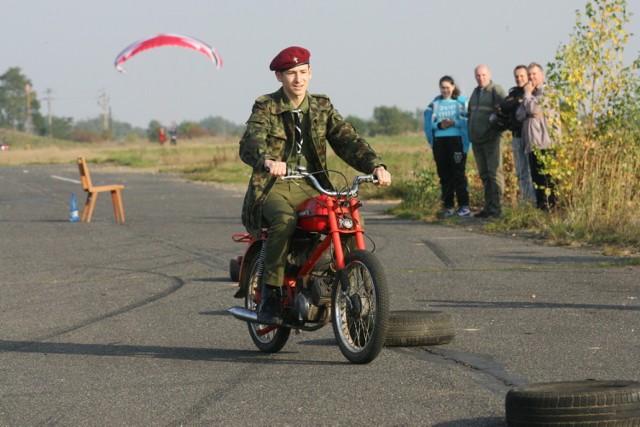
point(300, 172)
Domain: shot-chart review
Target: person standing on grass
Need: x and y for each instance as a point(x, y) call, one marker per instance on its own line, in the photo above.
point(508, 107)
point(445, 125)
point(485, 139)
point(173, 132)
point(161, 136)
point(540, 131)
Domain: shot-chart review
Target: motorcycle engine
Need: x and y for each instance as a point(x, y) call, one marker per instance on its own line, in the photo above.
point(302, 246)
point(312, 302)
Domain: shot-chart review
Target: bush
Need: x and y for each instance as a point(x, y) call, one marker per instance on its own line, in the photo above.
point(597, 164)
point(421, 194)
point(85, 136)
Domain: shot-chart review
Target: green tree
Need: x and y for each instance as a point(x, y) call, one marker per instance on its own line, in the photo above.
point(120, 130)
point(90, 125)
point(61, 127)
point(596, 165)
point(392, 121)
point(190, 130)
point(13, 99)
point(152, 130)
point(598, 89)
point(361, 125)
point(221, 126)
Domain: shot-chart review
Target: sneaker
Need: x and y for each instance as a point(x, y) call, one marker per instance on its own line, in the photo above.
point(448, 212)
point(464, 211)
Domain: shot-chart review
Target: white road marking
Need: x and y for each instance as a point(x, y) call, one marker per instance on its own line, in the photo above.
point(62, 178)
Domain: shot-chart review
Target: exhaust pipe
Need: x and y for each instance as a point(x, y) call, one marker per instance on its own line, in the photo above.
point(244, 314)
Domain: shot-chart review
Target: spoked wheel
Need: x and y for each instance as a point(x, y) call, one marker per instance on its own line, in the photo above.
point(360, 312)
point(269, 339)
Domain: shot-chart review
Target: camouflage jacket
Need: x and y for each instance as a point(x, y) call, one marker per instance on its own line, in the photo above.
point(270, 134)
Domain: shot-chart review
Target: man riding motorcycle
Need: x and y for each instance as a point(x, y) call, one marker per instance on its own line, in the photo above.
point(287, 128)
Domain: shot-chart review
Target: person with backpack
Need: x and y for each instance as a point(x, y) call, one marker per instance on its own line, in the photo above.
point(445, 125)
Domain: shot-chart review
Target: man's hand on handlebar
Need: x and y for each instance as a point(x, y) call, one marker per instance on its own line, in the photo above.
point(382, 175)
point(280, 169)
point(275, 168)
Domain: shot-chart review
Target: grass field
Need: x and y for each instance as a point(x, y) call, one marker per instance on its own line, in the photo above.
point(408, 158)
point(204, 159)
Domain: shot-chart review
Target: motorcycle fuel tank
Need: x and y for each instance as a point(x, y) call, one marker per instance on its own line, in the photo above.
point(313, 214)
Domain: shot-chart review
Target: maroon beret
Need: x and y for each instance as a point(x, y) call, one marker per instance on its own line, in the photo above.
point(289, 58)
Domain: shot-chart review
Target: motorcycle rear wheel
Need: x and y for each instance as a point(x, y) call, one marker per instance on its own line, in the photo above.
point(268, 339)
point(360, 313)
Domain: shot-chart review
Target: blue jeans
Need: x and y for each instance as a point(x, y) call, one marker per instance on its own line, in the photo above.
point(526, 191)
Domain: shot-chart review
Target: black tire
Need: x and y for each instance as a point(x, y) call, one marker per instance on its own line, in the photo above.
point(360, 316)
point(234, 268)
point(580, 403)
point(418, 328)
point(268, 339)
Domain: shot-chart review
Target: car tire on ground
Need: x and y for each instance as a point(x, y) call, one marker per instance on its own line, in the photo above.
point(579, 403)
point(411, 328)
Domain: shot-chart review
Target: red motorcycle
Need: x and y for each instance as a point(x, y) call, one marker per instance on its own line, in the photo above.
point(329, 277)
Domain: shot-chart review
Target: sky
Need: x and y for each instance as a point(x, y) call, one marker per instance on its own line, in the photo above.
point(364, 54)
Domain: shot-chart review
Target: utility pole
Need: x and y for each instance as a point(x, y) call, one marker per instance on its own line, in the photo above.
point(49, 117)
point(28, 123)
point(106, 109)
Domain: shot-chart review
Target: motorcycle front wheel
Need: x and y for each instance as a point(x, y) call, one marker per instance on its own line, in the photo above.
point(268, 339)
point(360, 307)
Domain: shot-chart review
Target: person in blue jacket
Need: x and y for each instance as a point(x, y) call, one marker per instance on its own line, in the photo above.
point(445, 124)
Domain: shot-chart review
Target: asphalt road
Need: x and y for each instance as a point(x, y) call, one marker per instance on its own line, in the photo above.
point(107, 324)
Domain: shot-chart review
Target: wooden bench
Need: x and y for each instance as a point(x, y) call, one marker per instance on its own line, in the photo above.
point(92, 194)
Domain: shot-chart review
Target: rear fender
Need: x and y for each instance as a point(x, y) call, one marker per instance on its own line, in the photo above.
point(253, 250)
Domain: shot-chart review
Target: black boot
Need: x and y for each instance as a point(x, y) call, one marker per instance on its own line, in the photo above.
point(269, 308)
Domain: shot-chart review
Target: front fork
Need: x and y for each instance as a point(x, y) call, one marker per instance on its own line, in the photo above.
point(339, 253)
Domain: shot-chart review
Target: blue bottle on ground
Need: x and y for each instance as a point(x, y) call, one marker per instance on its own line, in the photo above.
point(73, 208)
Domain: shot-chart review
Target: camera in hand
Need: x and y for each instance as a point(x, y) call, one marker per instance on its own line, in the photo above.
point(504, 116)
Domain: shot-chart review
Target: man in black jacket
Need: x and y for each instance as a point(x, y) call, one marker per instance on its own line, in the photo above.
point(508, 109)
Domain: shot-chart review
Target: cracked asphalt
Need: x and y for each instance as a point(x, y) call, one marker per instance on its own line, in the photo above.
point(107, 324)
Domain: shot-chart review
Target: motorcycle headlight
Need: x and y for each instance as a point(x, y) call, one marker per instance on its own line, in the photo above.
point(346, 223)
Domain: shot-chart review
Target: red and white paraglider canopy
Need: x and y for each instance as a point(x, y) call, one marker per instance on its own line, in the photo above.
point(167, 40)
